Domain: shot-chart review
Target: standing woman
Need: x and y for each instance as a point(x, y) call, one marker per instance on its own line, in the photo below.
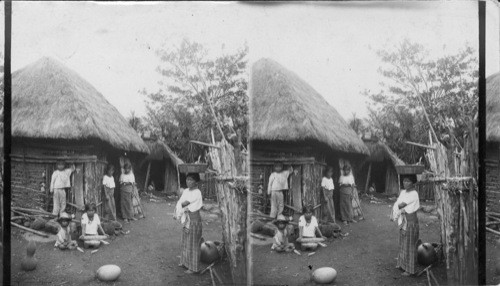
point(407, 204)
point(346, 182)
point(191, 201)
point(127, 182)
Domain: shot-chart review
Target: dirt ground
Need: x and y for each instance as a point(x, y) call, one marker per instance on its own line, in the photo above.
point(492, 254)
point(148, 255)
point(366, 256)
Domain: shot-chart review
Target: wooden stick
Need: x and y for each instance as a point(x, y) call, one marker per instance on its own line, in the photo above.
point(208, 267)
point(492, 222)
point(217, 276)
point(317, 206)
point(293, 208)
point(433, 277)
point(81, 208)
point(312, 239)
point(212, 277)
point(492, 231)
point(420, 145)
point(258, 236)
point(29, 229)
point(425, 269)
point(204, 144)
point(33, 211)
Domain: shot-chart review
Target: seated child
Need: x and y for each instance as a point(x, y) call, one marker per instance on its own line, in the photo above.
point(308, 226)
point(64, 241)
point(281, 243)
point(90, 225)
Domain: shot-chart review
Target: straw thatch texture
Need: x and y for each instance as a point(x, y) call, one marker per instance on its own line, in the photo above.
point(380, 152)
point(286, 108)
point(50, 101)
point(158, 151)
point(493, 108)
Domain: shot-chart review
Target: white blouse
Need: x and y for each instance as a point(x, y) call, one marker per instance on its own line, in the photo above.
point(127, 178)
point(193, 197)
point(346, 180)
point(411, 199)
point(327, 183)
point(108, 182)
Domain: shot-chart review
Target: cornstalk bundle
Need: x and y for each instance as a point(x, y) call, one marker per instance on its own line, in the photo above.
point(456, 202)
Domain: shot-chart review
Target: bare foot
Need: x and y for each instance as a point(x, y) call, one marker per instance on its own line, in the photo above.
point(405, 274)
point(133, 218)
point(189, 272)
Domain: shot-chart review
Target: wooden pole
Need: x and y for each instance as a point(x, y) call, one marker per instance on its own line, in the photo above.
point(147, 177)
point(29, 229)
point(368, 177)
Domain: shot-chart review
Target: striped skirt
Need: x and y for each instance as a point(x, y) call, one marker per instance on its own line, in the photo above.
point(191, 243)
point(346, 213)
point(356, 205)
point(407, 257)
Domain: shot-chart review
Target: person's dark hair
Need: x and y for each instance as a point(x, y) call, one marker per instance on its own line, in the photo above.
point(307, 209)
point(346, 167)
point(127, 166)
point(60, 162)
point(194, 176)
point(278, 164)
point(328, 170)
point(109, 167)
point(90, 206)
point(412, 178)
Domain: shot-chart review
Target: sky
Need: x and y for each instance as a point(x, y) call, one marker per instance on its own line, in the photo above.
point(330, 45)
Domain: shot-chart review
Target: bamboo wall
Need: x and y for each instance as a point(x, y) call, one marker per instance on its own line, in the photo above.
point(492, 161)
point(456, 202)
point(33, 164)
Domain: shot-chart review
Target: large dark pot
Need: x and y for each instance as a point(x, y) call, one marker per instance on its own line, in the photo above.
point(426, 254)
point(209, 252)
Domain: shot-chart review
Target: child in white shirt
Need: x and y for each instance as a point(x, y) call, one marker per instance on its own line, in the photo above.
point(308, 227)
point(278, 183)
point(59, 183)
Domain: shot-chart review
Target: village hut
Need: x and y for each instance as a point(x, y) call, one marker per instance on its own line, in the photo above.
point(293, 124)
point(492, 158)
point(58, 115)
point(380, 168)
point(161, 167)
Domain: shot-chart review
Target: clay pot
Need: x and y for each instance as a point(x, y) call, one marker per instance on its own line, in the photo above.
point(29, 262)
point(426, 254)
point(52, 227)
point(209, 252)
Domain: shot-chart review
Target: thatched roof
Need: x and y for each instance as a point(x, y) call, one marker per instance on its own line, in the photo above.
point(50, 101)
point(493, 108)
point(286, 108)
point(380, 152)
point(159, 151)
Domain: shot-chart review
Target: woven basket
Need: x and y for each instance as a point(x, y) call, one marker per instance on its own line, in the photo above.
point(192, 168)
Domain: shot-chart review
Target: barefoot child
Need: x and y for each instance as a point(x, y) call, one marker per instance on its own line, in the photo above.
point(278, 183)
point(109, 191)
point(64, 241)
point(90, 226)
point(59, 183)
point(308, 227)
point(281, 243)
point(328, 188)
point(127, 182)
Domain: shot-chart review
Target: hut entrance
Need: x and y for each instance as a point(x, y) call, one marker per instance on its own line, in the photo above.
point(378, 177)
point(157, 175)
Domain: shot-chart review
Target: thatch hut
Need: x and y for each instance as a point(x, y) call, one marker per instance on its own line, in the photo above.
point(161, 167)
point(292, 123)
point(56, 114)
point(380, 168)
point(492, 158)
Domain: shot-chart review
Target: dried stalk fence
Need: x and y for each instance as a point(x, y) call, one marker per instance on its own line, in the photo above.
point(232, 187)
point(456, 202)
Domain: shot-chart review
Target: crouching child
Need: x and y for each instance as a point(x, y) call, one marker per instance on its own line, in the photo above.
point(308, 227)
point(64, 241)
point(281, 243)
point(91, 224)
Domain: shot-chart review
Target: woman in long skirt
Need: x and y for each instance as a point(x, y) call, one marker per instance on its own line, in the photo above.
point(346, 182)
point(188, 210)
point(127, 184)
point(407, 204)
